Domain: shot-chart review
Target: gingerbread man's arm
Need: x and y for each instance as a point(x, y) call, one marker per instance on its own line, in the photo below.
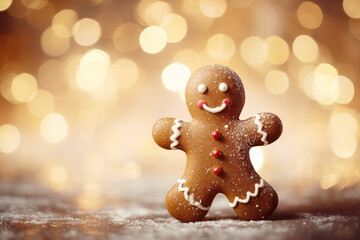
point(262, 129)
point(167, 133)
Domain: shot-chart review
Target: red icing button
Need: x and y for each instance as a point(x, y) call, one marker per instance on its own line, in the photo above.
point(201, 103)
point(217, 170)
point(228, 102)
point(216, 134)
point(216, 153)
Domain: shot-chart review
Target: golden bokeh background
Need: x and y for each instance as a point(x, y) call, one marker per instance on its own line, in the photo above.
point(82, 83)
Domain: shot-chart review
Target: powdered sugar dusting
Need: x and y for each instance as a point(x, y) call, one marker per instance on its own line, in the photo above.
point(33, 212)
point(223, 72)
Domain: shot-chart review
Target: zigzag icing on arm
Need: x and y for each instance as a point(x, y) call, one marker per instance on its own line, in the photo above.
point(248, 195)
point(176, 133)
point(190, 198)
point(260, 126)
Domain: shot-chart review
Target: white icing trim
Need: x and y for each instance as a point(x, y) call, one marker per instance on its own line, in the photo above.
point(190, 198)
point(216, 109)
point(248, 194)
point(260, 126)
point(176, 134)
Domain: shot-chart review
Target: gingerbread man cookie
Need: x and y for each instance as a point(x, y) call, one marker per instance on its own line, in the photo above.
point(217, 147)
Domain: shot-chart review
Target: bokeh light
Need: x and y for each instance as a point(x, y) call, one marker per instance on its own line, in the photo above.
point(343, 144)
point(93, 70)
point(276, 82)
point(221, 47)
point(305, 72)
point(90, 198)
point(153, 39)
point(189, 57)
point(352, 8)
point(96, 1)
point(307, 83)
point(175, 76)
point(9, 138)
point(72, 64)
point(191, 7)
point(63, 23)
point(125, 37)
point(57, 177)
point(52, 44)
point(42, 104)
point(256, 157)
point(153, 12)
point(278, 50)
point(41, 15)
point(305, 48)
point(354, 27)
point(346, 90)
point(342, 130)
point(5, 4)
point(213, 8)
point(310, 15)
point(86, 32)
point(254, 51)
point(6, 91)
point(325, 87)
point(175, 27)
point(17, 9)
point(24, 87)
point(34, 4)
point(54, 128)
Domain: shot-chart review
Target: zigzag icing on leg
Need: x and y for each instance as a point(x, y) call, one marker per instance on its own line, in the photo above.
point(248, 195)
point(190, 198)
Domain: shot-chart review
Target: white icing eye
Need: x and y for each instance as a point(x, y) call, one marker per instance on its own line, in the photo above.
point(223, 87)
point(202, 88)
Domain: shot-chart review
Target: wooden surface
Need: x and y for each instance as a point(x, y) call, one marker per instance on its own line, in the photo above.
point(135, 210)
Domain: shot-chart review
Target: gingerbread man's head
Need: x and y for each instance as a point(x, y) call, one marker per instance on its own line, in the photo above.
point(215, 91)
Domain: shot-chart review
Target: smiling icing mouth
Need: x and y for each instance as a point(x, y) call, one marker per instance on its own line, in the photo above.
point(216, 109)
point(225, 103)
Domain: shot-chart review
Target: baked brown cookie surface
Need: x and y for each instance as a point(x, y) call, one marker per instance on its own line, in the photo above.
point(217, 147)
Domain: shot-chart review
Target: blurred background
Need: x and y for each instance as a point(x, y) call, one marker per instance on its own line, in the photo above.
point(82, 83)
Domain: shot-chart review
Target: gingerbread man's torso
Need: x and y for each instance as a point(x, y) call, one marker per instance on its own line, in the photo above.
point(217, 146)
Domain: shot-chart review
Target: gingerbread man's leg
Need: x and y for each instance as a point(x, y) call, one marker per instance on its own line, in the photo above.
point(256, 203)
point(188, 203)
